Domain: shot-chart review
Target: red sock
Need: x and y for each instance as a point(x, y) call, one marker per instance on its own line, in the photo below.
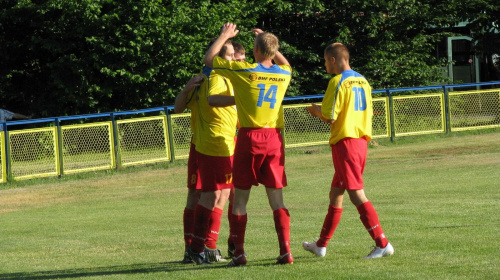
point(369, 218)
point(332, 219)
point(282, 225)
point(213, 229)
point(237, 230)
point(229, 215)
point(188, 220)
point(201, 226)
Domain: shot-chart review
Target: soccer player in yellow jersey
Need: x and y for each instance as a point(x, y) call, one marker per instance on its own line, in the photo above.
point(259, 155)
point(215, 130)
point(347, 107)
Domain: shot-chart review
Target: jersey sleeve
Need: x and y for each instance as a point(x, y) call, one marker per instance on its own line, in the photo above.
point(329, 108)
point(7, 115)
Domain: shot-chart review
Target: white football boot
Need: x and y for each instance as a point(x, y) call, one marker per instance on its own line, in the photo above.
point(313, 248)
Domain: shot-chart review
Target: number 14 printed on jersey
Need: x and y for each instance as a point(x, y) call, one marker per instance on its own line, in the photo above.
point(269, 96)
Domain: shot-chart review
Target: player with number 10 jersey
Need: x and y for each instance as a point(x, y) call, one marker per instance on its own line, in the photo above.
point(348, 100)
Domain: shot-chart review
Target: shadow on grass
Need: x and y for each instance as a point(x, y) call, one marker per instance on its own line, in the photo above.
point(123, 269)
point(104, 271)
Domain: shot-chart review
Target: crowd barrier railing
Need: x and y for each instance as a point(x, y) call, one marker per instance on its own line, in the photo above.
point(75, 144)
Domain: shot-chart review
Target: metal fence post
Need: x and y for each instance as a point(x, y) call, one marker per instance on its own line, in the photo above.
point(114, 127)
point(170, 135)
point(391, 114)
point(7, 152)
point(446, 110)
point(59, 147)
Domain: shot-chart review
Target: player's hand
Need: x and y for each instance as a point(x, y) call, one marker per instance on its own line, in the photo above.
point(257, 31)
point(195, 81)
point(314, 110)
point(229, 30)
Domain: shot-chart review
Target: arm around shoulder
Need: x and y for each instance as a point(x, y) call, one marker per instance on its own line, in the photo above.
point(181, 101)
point(219, 100)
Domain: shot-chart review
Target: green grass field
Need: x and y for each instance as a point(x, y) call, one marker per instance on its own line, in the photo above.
point(438, 198)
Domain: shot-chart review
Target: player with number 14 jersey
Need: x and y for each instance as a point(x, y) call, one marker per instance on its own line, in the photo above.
point(259, 107)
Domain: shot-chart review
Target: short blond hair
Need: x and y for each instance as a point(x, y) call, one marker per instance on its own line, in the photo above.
point(268, 44)
point(337, 50)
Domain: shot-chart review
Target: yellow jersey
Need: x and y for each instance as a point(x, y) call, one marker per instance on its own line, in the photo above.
point(348, 101)
point(258, 91)
point(215, 127)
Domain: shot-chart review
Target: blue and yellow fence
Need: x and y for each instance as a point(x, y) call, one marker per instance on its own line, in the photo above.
point(121, 140)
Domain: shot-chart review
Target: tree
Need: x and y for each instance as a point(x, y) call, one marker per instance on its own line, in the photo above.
point(483, 17)
point(75, 57)
point(63, 57)
point(388, 40)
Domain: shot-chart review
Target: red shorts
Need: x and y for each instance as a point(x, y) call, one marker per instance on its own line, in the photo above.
point(349, 158)
point(216, 173)
point(193, 181)
point(259, 157)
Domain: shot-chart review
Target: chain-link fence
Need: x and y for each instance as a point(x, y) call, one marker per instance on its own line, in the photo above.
point(474, 109)
point(143, 140)
point(181, 134)
point(420, 114)
point(65, 149)
point(33, 153)
point(87, 147)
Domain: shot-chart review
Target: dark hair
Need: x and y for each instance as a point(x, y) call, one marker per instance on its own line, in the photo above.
point(222, 51)
point(238, 47)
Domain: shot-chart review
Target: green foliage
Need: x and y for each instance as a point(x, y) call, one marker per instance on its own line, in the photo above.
point(483, 17)
point(74, 57)
point(387, 40)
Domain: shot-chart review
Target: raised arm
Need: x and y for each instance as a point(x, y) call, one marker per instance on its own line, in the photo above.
point(228, 31)
point(21, 117)
point(181, 100)
point(278, 57)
